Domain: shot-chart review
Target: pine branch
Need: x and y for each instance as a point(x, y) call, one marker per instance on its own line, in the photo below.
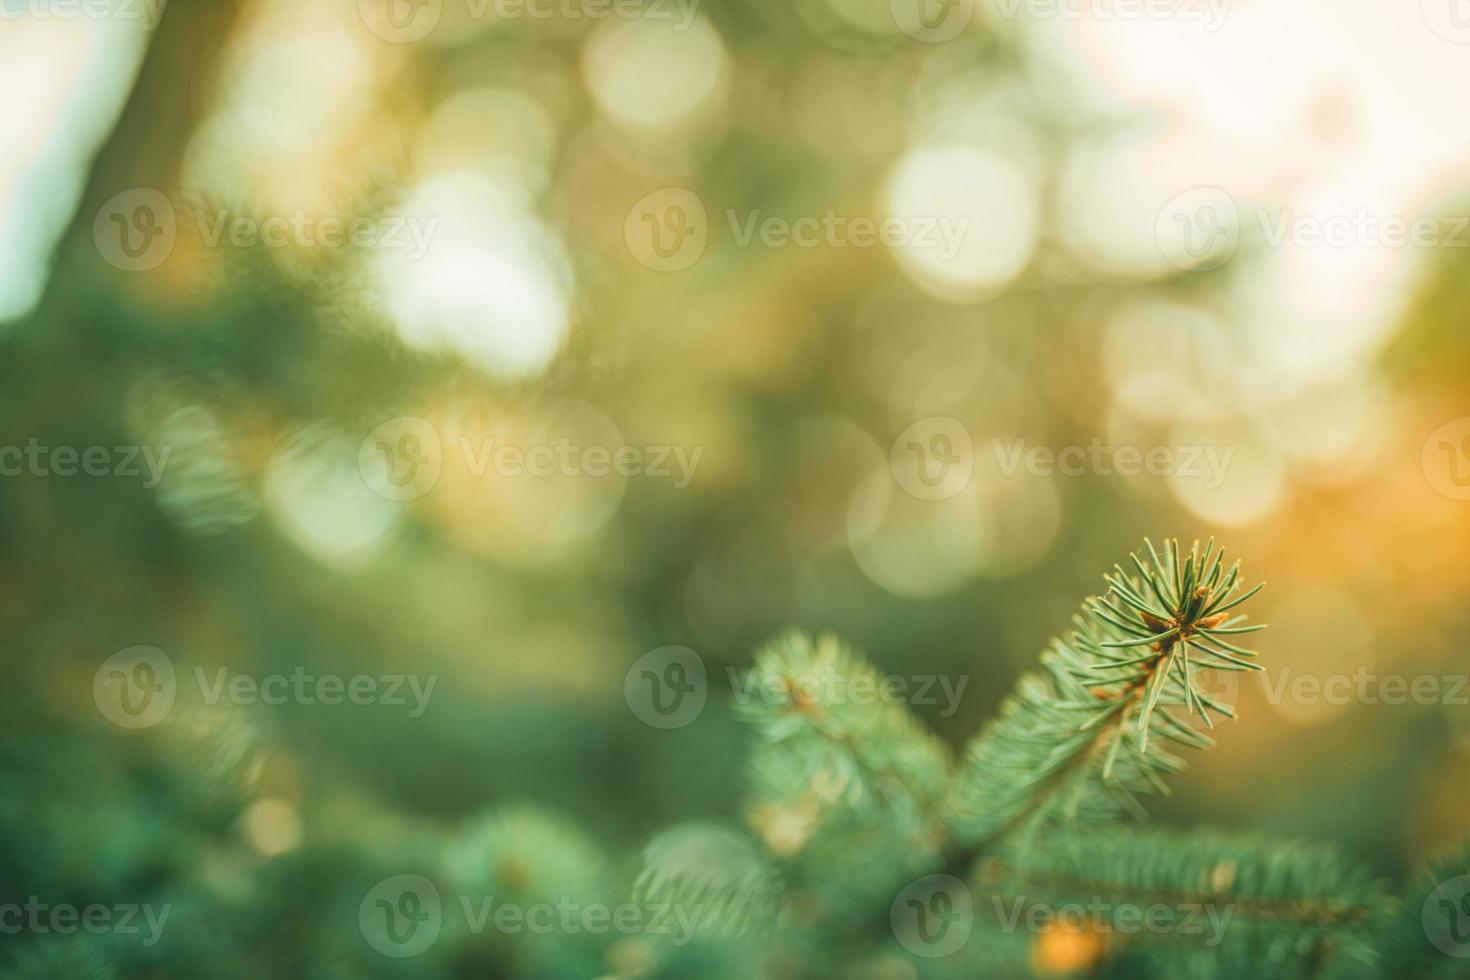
point(845, 782)
point(829, 738)
point(827, 710)
point(524, 857)
point(1425, 933)
point(717, 878)
point(1083, 737)
point(526, 854)
point(1128, 903)
point(1266, 882)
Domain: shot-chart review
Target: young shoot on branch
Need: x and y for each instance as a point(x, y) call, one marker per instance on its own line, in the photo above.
point(1174, 609)
point(1079, 738)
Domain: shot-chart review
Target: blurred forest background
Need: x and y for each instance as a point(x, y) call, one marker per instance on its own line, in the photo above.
point(526, 147)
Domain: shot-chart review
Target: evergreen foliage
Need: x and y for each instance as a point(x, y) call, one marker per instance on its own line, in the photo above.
point(868, 850)
point(1041, 814)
